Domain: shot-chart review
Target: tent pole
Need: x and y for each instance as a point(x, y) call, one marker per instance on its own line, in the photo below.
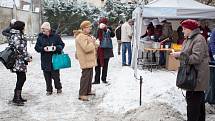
point(141, 81)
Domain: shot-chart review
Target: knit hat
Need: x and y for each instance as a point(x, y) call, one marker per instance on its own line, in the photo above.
point(85, 24)
point(103, 20)
point(190, 24)
point(46, 25)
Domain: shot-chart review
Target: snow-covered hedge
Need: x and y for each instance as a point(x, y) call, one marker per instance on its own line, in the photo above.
point(66, 17)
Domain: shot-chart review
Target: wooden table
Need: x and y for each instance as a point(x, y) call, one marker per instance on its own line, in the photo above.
point(158, 49)
point(151, 50)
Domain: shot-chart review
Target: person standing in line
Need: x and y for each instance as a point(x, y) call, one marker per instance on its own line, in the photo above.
point(86, 46)
point(118, 36)
point(49, 43)
point(126, 38)
point(6, 32)
point(195, 52)
point(212, 45)
point(103, 54)
point(19, 43)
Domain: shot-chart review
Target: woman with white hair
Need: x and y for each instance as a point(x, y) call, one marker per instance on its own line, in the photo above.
point(49, 43)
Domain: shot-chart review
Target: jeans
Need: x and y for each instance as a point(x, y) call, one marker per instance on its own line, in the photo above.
point(126, 46)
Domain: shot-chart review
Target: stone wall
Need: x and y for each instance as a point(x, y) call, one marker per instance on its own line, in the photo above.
point(32, 20)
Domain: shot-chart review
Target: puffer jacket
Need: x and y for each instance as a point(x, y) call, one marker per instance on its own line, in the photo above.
point(85, 50)
point(19, 42)
point(195, 50)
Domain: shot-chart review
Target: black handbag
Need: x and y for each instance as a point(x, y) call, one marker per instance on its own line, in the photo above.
point(8, 57)
point(187, 77)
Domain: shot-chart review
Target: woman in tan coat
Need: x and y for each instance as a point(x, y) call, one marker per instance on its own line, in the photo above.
point(195, 51)
point(86, 46)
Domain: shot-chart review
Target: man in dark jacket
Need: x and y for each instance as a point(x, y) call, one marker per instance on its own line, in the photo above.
point(49, 43)
point(118, 36)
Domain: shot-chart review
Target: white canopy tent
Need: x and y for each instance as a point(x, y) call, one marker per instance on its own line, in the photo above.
point(175, 9)
point(169, 9)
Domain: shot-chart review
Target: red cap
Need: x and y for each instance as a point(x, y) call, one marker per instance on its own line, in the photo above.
point(190, 24)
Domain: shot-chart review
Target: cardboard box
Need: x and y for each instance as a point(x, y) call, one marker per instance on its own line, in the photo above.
point(172, 64)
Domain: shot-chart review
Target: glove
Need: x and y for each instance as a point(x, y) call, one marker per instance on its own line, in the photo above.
point(214, 57)
point(97, 43)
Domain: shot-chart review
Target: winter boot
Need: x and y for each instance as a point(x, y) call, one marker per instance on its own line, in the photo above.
point(23, 100)
point(16, 99)
point(59, 91)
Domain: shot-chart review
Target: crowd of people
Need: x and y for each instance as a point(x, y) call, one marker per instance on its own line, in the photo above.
point(93, 51)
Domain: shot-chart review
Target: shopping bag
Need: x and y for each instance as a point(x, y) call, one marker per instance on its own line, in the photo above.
point(187, 77)
point(8, 57)
point(106, 41)
point(61, 61)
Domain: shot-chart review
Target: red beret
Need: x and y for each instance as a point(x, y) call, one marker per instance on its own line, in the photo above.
point(190, 24)
point(103, 20)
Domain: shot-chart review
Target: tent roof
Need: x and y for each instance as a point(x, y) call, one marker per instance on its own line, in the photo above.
point(178, 9)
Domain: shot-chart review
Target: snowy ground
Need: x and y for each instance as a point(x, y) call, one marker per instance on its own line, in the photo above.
point(119, 101)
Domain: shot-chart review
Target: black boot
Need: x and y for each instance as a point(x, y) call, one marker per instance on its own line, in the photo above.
point(16, 99)
point(23, 100)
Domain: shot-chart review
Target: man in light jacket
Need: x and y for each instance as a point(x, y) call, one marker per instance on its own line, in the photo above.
point(126, 37)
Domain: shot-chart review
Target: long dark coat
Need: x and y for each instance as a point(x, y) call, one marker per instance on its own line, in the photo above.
point(46, 57)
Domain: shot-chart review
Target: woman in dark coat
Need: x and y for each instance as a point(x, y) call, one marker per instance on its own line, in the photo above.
point(19, 43)
point(49, 43)
point(104, 54)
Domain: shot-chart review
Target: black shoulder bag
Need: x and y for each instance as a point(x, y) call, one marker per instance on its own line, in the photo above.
point(8, 57)
point(187, 76)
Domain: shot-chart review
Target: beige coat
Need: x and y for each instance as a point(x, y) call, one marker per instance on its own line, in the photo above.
point(199, 57)
point(85, 50)
point(126, 31)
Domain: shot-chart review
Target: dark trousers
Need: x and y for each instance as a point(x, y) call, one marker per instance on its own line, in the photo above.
point(104, 70)
point(195, 105)
point(55, 75)
point(86, 81)
point(21, 78)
